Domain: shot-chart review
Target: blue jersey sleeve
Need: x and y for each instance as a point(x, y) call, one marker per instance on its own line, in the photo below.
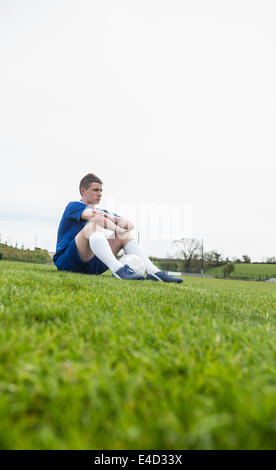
point(74, 210)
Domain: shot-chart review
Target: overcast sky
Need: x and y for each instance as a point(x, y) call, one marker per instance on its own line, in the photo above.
point(167, 101)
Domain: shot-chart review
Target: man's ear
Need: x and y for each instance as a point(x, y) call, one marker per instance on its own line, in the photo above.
point(82, 190)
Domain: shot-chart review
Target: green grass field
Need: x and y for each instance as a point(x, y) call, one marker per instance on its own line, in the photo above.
point(91, 362)
point(248, 270)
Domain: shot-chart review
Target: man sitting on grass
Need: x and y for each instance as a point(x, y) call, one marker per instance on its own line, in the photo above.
point(82, 246)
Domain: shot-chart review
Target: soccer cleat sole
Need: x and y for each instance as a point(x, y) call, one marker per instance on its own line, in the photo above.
point(130, 279)
point(156, 277)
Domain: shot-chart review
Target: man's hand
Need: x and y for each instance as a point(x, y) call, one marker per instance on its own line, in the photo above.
point(89, 213)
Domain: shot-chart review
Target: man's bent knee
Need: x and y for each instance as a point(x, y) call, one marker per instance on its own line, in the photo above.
point(117, 243)
point(90, 228)
point(125, 237)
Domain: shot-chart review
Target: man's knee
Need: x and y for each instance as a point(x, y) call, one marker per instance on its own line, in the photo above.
point(90, 228)
point(126, 236)
point(122, 238)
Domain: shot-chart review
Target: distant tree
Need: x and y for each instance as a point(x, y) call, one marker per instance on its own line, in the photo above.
point(246, 259)
point(228, 268)
point(213, 258)
point(238, 261)
point(22, 246)
point(188, 250)
point(271, 260)
point(218, 257)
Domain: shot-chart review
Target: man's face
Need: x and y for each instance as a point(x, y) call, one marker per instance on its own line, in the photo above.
point(93, 194)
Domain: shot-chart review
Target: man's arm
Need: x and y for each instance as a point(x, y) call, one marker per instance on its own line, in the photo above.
point(88, 213)
point(108, 221)
point(121, 222)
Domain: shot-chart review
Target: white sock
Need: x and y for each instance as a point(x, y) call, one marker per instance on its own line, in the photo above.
point(133, 248)
point(101, 248)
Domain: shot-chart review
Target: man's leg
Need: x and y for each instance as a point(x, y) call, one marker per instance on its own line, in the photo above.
point(98, 224)
point(153, 273)
point(132, 247)
point(91, 241)
point(118, 242)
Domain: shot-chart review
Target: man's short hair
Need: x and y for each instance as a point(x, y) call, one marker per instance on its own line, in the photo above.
point(87, 180)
